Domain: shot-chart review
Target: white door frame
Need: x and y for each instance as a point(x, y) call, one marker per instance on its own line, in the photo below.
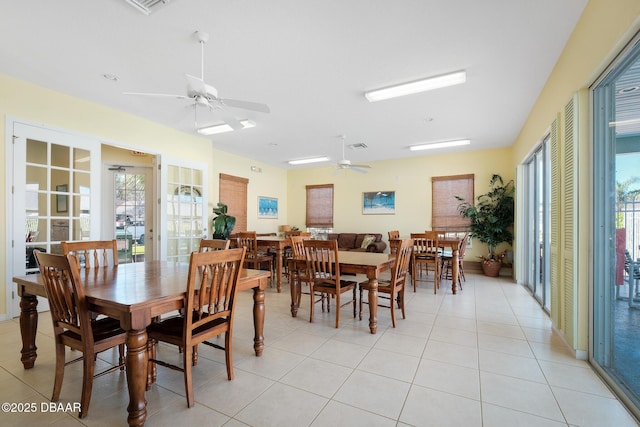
point(17, 131)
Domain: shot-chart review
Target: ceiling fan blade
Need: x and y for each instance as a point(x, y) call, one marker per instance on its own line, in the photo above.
point(233, 122)
point(357, 169)
point(361, 166)
point(246, 105)
point(161, 95)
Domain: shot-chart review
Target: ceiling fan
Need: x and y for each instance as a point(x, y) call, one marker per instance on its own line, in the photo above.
point(345, 164)
point(205, 95)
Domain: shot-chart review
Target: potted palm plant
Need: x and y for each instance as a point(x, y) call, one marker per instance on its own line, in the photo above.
point(492, 220)
point(223, 223)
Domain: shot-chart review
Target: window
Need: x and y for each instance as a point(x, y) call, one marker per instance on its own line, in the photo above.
point(319, 206)
point(444, 205)
point(233, 193)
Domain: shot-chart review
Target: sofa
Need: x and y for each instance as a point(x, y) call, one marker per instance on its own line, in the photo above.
point(356, 241)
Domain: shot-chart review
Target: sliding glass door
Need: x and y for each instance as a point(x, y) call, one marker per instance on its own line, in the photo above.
point(616, 227)
point(535, 218)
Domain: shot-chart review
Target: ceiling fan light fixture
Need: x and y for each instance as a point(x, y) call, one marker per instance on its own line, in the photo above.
point(417, 86)
point(223, 127)
point(306, 161)
point(443, 144)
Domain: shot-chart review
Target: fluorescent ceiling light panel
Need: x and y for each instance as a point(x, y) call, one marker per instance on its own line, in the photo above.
point(221, 128)
point(305, 161)
point(417, 86)
point(443, 144)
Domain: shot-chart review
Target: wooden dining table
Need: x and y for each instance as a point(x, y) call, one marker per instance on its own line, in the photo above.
point(134, 294)
point(370, 264)
point(454, 244)
point(277, 244)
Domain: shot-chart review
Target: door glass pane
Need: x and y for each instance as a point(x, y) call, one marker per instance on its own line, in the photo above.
point(60, 156)
point(81, 159)
point(185, 211)
point(616, 309)
point(537, 211)
point(130, 215)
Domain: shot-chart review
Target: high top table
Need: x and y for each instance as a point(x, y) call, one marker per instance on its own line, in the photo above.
point(135, 294)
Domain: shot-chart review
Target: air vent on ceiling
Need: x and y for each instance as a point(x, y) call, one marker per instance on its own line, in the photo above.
point(147, 6)
point(359, 146)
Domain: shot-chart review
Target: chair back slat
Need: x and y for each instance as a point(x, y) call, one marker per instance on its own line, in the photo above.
point(463, 246)
point(211, 286)
point(207, 245)
point(65, 294)
point(248, 240)
point(297, 245)
point(404, 249)
point(92, 253)
point(322, 260)
point(426, 243)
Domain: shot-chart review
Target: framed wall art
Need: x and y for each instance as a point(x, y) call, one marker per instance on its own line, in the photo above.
point(267, 207)
point(379, 203)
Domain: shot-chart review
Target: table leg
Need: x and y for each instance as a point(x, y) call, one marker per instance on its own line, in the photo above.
point(28, 329)
point(279, 252)
point(137, 361)
point(373, 305)
point(294, 287)
point(258, 320)
point(454, 271)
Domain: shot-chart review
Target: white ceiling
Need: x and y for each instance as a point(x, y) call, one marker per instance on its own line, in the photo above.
point(310, 61)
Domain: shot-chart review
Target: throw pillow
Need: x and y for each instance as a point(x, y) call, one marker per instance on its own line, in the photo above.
point(368, 239)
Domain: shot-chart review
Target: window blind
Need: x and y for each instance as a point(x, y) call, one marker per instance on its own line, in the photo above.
point(320, 206)
point(444, 205)
point(233, 193)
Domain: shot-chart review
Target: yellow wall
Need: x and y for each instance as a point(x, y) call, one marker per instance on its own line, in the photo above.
point(411, 180)
point(602, 31)
point(38, 105)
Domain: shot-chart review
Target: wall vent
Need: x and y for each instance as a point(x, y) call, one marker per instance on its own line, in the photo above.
point(147, 6)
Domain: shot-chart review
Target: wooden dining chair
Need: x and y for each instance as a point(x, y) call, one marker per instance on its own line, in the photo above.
point(426, 253)
point(207, 245)
point(209, 310)
point(73, 326)
point(393, 289)
point(92, 253)
point(254, 258)
point(300, 274)
point(394, 234)
point(324, 269)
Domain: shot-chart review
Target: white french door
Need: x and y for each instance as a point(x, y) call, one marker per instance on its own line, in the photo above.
point(184, 208)
point(54, 196)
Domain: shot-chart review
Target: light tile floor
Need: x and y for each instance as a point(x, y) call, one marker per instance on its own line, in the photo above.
point(484, 357)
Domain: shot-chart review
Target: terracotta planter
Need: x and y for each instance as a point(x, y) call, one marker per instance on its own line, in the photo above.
point(491, 268)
